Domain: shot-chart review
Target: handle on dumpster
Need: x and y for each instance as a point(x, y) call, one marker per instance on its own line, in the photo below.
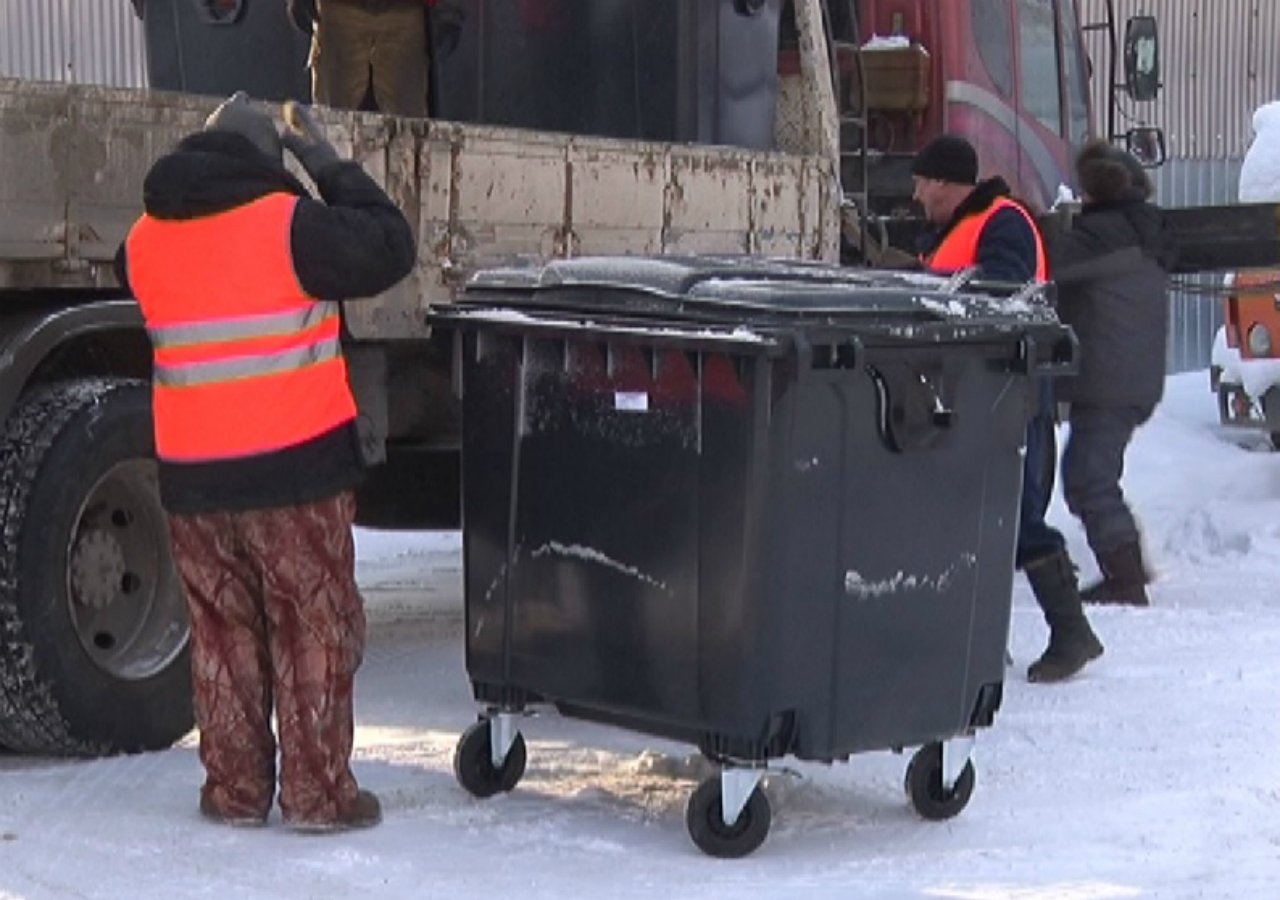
point(914, 410)
point(1054, 358)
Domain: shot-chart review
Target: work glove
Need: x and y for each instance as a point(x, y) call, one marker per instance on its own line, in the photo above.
point(304, 138)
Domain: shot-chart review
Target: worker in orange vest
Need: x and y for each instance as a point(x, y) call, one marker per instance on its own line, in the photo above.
point(238, 273)
point(978, 224)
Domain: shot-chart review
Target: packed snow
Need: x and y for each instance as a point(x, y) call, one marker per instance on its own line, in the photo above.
point(1155, 773)
point(1260, 173)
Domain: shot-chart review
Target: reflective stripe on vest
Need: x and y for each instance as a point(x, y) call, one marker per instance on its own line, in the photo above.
point(959, 249)
point(245, 363)
point(168, 341)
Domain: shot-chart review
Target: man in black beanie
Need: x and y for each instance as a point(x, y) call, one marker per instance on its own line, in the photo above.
point(945, 177)
point(978, 224)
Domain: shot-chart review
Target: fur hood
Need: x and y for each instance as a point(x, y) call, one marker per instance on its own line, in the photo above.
point(1110, 175)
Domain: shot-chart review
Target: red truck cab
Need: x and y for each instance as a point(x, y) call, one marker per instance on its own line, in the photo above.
point(1010, 75)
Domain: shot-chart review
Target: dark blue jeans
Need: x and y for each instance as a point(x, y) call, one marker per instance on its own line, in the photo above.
point(1036, 537)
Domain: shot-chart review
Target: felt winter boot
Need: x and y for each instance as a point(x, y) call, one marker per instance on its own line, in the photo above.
point(1124, 578)
point(365, 811)
point(1072, 643)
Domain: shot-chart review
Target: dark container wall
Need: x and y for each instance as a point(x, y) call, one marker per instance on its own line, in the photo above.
point(254, 48)
point(664, 70)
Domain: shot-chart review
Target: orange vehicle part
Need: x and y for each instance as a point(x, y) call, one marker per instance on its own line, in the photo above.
point(1254, 302)
point(1251, 326)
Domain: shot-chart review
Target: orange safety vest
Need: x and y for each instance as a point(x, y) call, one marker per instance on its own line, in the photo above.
point(245, 362)
point(959, 249)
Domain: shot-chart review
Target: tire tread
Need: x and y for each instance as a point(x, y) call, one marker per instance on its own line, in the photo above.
point(30, 720)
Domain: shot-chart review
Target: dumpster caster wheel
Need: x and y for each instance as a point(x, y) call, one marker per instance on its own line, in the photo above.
point(924, 785)
point(704, 817)
point(473, 764)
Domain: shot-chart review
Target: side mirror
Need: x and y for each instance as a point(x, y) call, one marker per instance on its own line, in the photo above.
point(1146, 145)
point(1142, 58)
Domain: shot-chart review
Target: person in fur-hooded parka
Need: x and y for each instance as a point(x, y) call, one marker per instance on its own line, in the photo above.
point(1112, 273)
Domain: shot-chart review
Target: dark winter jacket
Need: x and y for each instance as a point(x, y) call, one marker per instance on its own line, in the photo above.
point(1007, 247)
point(355, 244)
point(1112, 274)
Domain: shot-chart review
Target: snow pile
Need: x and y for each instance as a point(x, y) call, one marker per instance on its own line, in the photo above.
point(1260, 174)
point(1151, 776)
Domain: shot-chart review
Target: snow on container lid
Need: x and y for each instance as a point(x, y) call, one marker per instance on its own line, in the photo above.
point(752, 291)
point(770, 307)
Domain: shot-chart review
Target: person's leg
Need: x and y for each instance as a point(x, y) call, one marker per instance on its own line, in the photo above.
point(230, 669)
point(400, 73)
point(1092, 466)
point(1042, 555)
point(1072, 642)
point(341, 55)
point(317, 628)
point(1036, 539)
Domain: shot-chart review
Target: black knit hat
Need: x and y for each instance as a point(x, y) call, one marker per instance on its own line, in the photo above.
point(947, 158)
point(236, 114)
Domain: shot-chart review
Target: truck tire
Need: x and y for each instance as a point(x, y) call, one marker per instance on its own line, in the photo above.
point(94, 640)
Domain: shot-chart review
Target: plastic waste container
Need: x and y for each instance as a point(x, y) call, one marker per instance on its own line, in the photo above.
point(765, 508)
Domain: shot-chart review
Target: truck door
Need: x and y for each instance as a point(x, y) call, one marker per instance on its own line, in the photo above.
point(1043, 134)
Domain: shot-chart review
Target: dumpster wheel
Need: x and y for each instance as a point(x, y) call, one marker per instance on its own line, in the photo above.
point(925, 789)
point(473, 764)
point(704, 817)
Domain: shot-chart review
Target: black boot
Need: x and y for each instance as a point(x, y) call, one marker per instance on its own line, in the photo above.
point(1124, 578)
point(1072, 643)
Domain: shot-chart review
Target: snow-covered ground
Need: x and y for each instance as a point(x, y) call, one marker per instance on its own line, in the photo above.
point(1156, 773)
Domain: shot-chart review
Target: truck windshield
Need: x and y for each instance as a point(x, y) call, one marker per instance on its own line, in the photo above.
point(1075, 74)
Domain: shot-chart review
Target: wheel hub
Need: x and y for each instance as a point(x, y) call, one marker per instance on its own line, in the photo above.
point(97, 569)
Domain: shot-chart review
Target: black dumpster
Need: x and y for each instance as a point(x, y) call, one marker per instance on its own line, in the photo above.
point(764, 508)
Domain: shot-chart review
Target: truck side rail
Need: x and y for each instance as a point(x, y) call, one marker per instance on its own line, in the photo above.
point(73, 158)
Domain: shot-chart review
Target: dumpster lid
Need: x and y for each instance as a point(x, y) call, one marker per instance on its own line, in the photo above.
point(753, 292)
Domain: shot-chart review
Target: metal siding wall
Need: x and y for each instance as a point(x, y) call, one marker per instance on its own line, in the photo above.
point(1194, 318)
point(1220, 60)
point(74, 41)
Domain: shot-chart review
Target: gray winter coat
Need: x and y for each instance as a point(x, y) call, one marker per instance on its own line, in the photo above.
point(1111, 269)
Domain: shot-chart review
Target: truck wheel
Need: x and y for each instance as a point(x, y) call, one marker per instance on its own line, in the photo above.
point(94, 651)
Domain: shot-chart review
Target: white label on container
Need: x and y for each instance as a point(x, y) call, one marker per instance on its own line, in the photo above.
point(631, 401)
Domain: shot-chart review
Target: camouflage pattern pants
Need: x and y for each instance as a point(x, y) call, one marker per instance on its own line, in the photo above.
point(276, 620)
